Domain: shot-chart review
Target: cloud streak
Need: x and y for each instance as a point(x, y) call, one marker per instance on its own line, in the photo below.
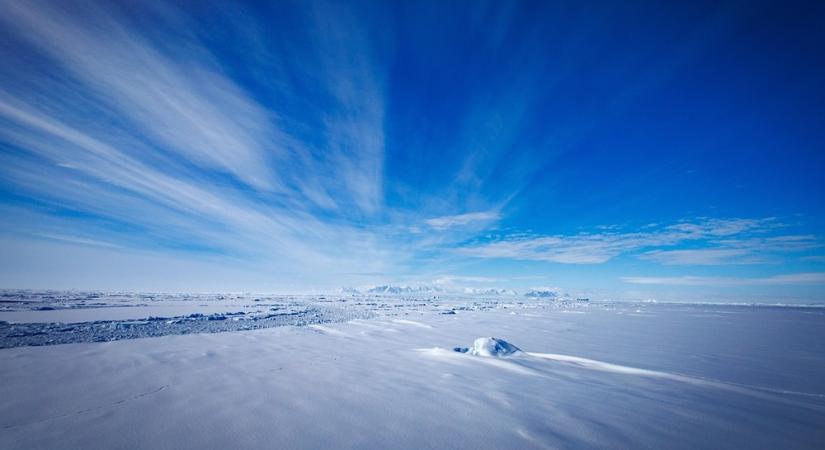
point(810, 278)
point(156, 135)
point(187, 106)
point(722, 241)
point(445, 222)
point(124, 140)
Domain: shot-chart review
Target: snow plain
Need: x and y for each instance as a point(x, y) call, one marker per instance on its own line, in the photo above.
point(382, 372)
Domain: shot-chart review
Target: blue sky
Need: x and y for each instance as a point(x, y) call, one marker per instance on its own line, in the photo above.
point(621, 150)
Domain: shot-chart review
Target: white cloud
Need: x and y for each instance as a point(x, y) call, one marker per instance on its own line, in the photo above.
point(157, 135)
point(578, 249)
point(177, 98)
point(445, 222)
point(706, 227)
point(737, 251)
point(724, 240)
point(706, 256)
point(77, 240)
point(788, 279)
point(187, 106)
point(461, 279)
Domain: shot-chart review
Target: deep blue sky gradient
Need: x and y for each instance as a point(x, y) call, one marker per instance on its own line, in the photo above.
point(639, 150)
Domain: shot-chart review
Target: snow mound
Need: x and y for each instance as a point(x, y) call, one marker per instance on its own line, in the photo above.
point(490, 347)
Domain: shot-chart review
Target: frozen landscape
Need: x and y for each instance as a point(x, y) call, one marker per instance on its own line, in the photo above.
point(379, 225)
point(405, 371)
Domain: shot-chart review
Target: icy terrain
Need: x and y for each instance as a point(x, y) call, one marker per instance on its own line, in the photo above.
point(409, 370)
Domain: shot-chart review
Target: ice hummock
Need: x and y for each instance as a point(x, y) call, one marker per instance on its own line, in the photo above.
point(489, 347)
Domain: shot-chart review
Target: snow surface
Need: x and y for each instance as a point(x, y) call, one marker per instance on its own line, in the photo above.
point(380, 372)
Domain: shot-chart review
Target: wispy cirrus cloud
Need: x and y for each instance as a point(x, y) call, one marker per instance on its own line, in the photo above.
point(705, 256)
point(722, 241)
point(176, 97)
point(183, 103)
point(812, 278)
point(159, 146)
point(581, 249)
point(737, 251)
point(445, 222)
point(462, 279)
